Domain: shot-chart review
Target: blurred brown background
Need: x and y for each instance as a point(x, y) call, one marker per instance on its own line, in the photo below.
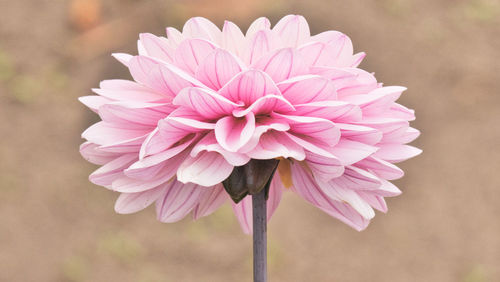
point(56, 226)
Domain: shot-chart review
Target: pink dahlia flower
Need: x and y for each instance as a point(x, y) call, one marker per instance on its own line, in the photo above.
point(203, 101)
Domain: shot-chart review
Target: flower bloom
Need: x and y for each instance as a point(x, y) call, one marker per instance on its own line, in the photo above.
point(203, 101)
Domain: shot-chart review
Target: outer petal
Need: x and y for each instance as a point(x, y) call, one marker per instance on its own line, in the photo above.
point(233, 39)
point(293, 30)
point(125, 90)
point(324, 168)
point(275, 144)
point(209, 143)
point(307, 188)
point(199, 27)
point(157, 47)
point(103, 133)
point(211, 198)
point(349, 152)
point(191, 52)
point(381, 168)
point(259, 24)
point(206, 169)
point(177, 201)
point(109, 172)
point(395, 153)
point(91, 153)
point(342, 47)
point(331, 110)
point(217, 69)
point(134, 202)
point(259, 44)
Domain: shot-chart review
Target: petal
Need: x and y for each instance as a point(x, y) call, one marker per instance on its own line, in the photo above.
point(274, 144)
point(133, 202)
point(206, 169)
point(306, 89)
point(248, 86)
point(93, 102)
point(378, 100)
point(122, 58)
point(177, 201)
point(349, 152)
point(322, 54)
point(175, 37)
point(211, 198)
point(157, 47)
point(233, 133)
point(293, 30)
point(381, 168)
point(207, 103)
point(217, 69)
point(103, 133)
point(233, 39)
point(357, 179)
point(209, 143)
point(265, 105)
point(395, 153)
point(243, 212)
point(259, 44)
point(112, 170)
point(262, 126)
point(259, 24)
point(363, 134)
point(342, 47)
point(307, 188)
point(125, 90)
point(134, 114)
point(91, 153)
point(199, 27)
point(281, 64)
point(324, 168)
point(191, 52)
point(331, 110)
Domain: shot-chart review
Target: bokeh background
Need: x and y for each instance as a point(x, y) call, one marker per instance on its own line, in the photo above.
point(56, 226)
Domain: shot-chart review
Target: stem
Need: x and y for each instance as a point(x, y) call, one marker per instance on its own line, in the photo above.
point(259, 236)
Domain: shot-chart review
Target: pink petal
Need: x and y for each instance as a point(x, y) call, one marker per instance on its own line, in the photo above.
point(306, 89)
point(357, 179)
point(134, 114)
point(395, 153)
point(402, 137)
point(233, 133)
point(209, 143)
point(293, 30)
point(260, 43)
point(331, 110)
point(233, 39)
point(381, 168)
point(177, 201)
point(322, 54)
point(157, 47)
point(342, 47)
point(262, 126)
point(363, 134)
point(281, 64)
point(207, 103)
point(94, 102)
point(265, 105)
point(175, 37)
point(248, 86)
point(211, 198)
point(307, 188)
point(133, 202)
point(378, 100)
point(206, 169)
point(274, 144)
point(217, 69)
point(112, 170)
point(91, 153)
point(324, 168)
point(125, 90)
point(199, 27)
point(103, 133)
point(122, 58)
point(259, 24)
point(349, 152)
point(377, 202)
point(191, 53)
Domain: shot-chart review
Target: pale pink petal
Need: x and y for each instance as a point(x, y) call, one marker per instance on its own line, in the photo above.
point(248, 86)
point(363, 134)
point(177, 200)
point(133, 202)
point(209, 143)
point(259, 24)
point(342, 47)
point(233, 39)
point(112, 170)
point(378, 100)
point(191, 53)
point(91, 153)
point(175, 37)
point(305, 186)
point(331, 110)
point(381, 168)
point(243, 212)
point(281, 64)
point(274, 144)
point(402, 137)
point(157, 47)
point(199, 27)
point(275, 192)
point(349, 152)
point(103, 133)
point(324, 168)
point(357, 179)
point(217, 69)
point(206, 169)
point(293, 30)
point(377, 202)
point(395, 153)
point(266, 105)
point(134, 114)
point(306, 89)
point(262, 126)
point(259, 44)
point(125, 90)
point(122, 58)
point(207, 103)
point(211, 198)
point(233, 133)
point(94, 102)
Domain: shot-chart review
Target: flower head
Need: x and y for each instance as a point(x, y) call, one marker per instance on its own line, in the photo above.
point(204, 101)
